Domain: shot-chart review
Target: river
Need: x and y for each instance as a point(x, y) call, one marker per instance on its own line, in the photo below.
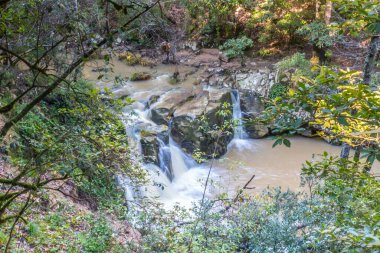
point(272, 167)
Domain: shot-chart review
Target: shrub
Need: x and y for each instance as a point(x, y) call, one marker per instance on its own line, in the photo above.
point(296, 65)
point(318, 34)
point(133, 59)
point(277, 90)
point(98, 239)
point(236, 47)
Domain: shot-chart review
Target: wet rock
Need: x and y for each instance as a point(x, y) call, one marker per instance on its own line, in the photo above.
point(140, 76)
point(251, 103)
point(256, 130)
point(160, 116)
point(153, 99)
point(252, 106)
point(192, 133)
point(162, 110)
point(150, 145)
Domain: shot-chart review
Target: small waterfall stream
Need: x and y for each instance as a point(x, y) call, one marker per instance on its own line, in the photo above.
point(239, 132)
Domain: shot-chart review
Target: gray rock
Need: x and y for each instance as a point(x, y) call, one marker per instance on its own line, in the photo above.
point(252, 106)
point(150, 146)
point(191, 133)
point(160, 116)
point(256, 130)
point(161, 111)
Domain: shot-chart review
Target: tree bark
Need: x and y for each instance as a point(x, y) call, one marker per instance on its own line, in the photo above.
point(370, 61)
point(321, 54)
point(317, 7)
point(328, 10)
point(345, 152)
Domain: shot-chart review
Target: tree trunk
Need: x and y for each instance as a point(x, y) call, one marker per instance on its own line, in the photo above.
point(370, 61)
point(358, 151)
point(328, 10)
point(317, 7)
point(345, 152)
point(321, 54)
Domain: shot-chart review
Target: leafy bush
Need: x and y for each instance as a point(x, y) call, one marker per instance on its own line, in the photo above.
point(318, 34)
point(264, 52)
point(236, 47)
point(297, 65)
point(98, 239)
point(277, 90)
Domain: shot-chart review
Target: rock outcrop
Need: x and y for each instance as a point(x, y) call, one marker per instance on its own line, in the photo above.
point(258, 80)
point(162, 110)
point(195, 123)
point(193, 118)
point(252, 106)
point(150, 142)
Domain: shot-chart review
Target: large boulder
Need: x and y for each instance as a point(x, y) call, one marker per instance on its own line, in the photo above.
point(150, 138)
point(259, 81)
point(252, 106)
point(149, 147)
point(161, 111)
point(195, 122)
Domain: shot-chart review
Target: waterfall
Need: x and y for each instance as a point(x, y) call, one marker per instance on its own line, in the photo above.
point(239, 132)
point(179, 160)
point(173, 162)
point(165, 159)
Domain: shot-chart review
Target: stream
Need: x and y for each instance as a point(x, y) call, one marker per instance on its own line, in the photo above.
point(178, 178)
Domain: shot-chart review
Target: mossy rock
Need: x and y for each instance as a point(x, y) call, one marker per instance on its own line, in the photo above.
point(140, 76)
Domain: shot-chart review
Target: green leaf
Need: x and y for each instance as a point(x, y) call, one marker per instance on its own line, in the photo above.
point(371, 158)
point(342, 120)
point(277, 142)
point(287, 143)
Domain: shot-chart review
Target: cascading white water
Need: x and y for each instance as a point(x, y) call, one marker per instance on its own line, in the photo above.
point(180, 161)
point(165, 159)
point(173, 180)
point(239, 132)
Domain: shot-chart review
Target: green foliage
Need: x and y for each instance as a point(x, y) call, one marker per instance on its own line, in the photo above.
point(6, 77)
point(265, 52)
point(359, 15)
point(353, 199)
point(235, 47)
point(296, 65)
point(66, 229)
point(219, 22)
point(277, 90)
point(318, 34)
point(98, 239)
point(132, 59)
point(77, 133)
point(335, 103)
